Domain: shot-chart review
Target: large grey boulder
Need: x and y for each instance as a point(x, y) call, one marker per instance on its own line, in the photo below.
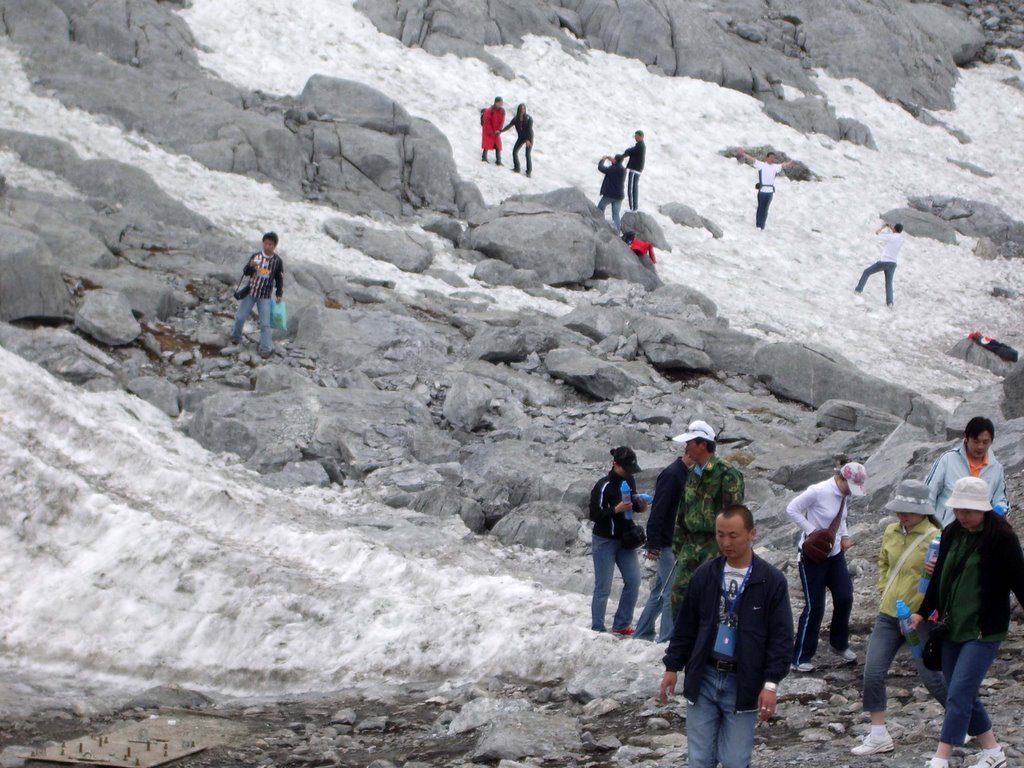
point(466, 402)
point(813, 376)
point(107, 317)
point(498, 344)
point(539, 525)
point(360, 429)
point(615, 260)
point(1013, 392)
point(644, 226)
point(592, 376)
point(921, 224)
point(670, 345)
point(32, 286)
point(976, 219)
point(495, 272)
point(396, 247)
point(685, 216)
point(62, 353)
point(157, 392)
point(975, 354)
point(528, 734)
point(595, 322)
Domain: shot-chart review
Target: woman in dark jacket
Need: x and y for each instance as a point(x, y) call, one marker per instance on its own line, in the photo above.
point(524, 137)
point(980, 563)
point(611, 514)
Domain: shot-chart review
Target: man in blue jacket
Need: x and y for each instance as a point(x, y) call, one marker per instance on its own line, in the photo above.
point(733, 635)
point(972, 457)
point(613, 188)
point(661, 528)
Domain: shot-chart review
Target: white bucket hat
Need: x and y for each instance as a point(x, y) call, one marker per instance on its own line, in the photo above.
point(970, 493)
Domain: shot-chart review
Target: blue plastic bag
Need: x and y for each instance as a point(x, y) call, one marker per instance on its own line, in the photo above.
point(279, 316)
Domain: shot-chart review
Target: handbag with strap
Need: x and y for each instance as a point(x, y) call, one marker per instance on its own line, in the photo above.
point(817, 545)
point(241, 291)
point(634, 536)
point(931, 654)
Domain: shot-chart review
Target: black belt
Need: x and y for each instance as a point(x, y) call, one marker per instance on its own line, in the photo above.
point(722, 666)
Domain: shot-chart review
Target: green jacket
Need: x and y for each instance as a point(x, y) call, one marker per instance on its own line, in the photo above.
point(719, 485)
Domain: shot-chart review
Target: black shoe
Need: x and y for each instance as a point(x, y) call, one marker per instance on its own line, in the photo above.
point(515, 170)
point(483, 155)
point(529, 174)
point(497, 162)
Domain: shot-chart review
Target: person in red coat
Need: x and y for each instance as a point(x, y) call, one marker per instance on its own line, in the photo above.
point(492, 120)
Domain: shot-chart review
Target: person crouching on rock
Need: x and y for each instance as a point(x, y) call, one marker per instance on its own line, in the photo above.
point(265, 271)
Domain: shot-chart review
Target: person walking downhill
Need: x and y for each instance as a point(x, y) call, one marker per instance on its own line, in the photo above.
point(823, 506)
point(637, 155)
point(971, 457)
point(491, 120)
point(979, 565)
point(767, 170)
point(901, 565)
point(892, 242)
point(608, 511)
point(265, 270)
point(523, 124)
point(732, 636)
point(712, 485)
point(661, 526)
point(612, 188)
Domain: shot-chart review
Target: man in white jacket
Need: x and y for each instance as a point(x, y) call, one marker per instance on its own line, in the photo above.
point(818, 507)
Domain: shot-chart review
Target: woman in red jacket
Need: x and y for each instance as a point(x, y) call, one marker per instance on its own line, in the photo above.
point(492, 120)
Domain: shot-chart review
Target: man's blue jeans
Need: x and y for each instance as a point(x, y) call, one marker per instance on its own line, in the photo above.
point(886, 640)
point(660, 601)
point(888, 267)
point(616, 208)
point(715, 731)
point(263, 308)
point(609, 553)
point(964, 665)
point(764, 199)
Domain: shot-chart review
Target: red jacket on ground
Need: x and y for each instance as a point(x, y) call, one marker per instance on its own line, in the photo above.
point(492, 120)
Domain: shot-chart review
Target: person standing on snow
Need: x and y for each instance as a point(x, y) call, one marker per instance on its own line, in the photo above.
point(892, 242)
point(491, 121)
point(637, 155)
point(767, 170)
point(613, 187)
point(523, 124)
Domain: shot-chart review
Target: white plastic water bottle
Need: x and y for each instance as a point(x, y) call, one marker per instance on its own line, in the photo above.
point(913, 639)
point(627, 495)
point(931, 556)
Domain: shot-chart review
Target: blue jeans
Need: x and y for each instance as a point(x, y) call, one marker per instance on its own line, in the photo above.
point(964, 665)
point(616, 207)
point(815, 577)
point(885, 642)
point(660, 601)
point(609, 553)
point(263, 308)
point(764, 199)
point(715, 731)
point(888, 267)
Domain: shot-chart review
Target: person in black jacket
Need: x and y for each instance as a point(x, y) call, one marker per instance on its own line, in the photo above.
point(612, 188)
point(612, 515)
point(661, 527)
point(524, 137)
point(637, 155)
point(733, 635)
point(979, 564)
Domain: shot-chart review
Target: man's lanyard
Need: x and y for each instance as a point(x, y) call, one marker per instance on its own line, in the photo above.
point(743, 584)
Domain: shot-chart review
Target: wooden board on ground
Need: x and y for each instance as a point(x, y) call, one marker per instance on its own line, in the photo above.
point(157, 740)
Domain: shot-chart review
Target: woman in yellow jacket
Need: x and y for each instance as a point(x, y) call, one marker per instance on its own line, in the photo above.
point(900, 567)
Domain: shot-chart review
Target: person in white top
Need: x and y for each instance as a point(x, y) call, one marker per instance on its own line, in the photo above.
point(767, 170)
point(892, 242)
point(823, 506)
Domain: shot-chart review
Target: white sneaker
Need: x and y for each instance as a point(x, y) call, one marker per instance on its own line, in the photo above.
point(937, 762)
point(847, 655)
point(991, 761)
point(805, 667)
point(872, 745)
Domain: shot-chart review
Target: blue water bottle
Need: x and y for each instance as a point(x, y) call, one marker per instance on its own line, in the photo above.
point(913, 639)
point(929, 557)
point(627, 495)
point(999, 509)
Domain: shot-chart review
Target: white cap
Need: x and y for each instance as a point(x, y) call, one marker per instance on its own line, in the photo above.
point(855, 476)
point(696, 429)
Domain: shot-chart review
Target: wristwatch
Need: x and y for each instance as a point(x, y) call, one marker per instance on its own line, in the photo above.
point(773, 687)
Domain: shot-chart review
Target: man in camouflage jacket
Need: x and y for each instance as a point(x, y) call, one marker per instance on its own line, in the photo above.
point(713, 484)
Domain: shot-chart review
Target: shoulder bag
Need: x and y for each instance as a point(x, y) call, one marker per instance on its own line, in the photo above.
point(818, 544)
